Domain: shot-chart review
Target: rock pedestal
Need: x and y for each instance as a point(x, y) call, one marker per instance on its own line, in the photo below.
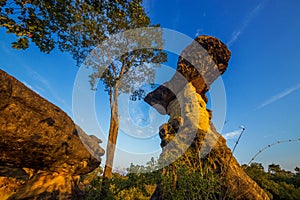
point(189, 139)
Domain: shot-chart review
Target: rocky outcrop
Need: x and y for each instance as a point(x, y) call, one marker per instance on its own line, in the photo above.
point(199, 65)
point(189, 139)
point(91, 143)
point(41, 153)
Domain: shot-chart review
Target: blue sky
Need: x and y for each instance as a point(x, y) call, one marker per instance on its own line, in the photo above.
point(262, 81)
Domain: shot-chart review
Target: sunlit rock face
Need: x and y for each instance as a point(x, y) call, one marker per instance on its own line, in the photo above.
point(189, 139)
point(200, 63)
point(41, 145)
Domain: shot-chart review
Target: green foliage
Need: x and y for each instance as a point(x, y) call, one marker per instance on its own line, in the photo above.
point(41, 22)
point(75, 26)
point(180, 180)
point(138, 183)
point(278, 183)
point(191, 185)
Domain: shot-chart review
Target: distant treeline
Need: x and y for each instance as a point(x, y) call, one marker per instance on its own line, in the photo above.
point(277, 182)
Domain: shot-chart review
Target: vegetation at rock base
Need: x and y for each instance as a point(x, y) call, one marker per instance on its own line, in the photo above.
point(139, 182)
point(136, 182)
point(192, 184)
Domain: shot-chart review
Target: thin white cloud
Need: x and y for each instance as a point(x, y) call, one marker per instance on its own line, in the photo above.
point(46, 86)
point(234, 37)
point(27, 85)
point(232, 134)
point(198, 31)
point(247, 20)
point(44, 82)
point(30, 87)
point(279, 96)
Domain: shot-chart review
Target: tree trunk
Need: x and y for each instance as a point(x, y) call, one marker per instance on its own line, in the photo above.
point(112, 139)
point(111, 144)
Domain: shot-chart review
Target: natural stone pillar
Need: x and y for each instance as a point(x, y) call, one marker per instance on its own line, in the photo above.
point(189, 140)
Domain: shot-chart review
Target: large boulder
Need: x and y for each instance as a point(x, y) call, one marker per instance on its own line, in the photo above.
point(39, 139)
point(189, 139)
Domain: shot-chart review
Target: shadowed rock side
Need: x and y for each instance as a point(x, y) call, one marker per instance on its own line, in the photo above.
point(189, 139)
point(91, 143)
point(41, 153)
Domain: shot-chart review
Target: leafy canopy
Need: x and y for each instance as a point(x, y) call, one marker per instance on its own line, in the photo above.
point(75, 26)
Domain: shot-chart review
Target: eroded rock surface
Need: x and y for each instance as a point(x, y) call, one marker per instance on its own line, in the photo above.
point(189, 138)
point(40, 146)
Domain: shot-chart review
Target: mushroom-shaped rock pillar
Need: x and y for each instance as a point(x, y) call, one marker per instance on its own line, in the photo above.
point(189, 139)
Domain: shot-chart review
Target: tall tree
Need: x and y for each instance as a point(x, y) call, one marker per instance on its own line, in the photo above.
point(78, 26)
point(122, 63)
